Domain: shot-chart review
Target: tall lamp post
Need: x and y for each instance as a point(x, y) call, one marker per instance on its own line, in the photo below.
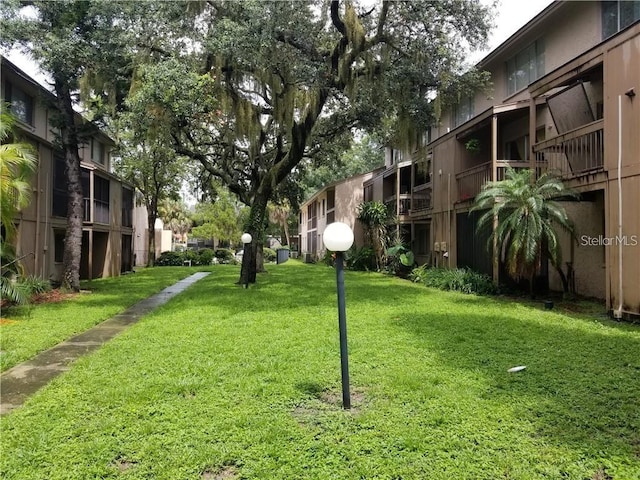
point(246, 240)
point(338, 238)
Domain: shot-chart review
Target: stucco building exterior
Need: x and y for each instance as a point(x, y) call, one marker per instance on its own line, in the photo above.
point(336, 202)
point(108, 231)
point(564, 97)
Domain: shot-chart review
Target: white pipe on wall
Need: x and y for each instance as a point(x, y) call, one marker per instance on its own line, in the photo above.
point(617, 313)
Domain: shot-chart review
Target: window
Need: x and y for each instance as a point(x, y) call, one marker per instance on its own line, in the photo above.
point(463, 111)
point(100, 199)
point(21, 104)
point(323, 208)
point(525, 67)
point(127, 207)
point(59, 200)
point(617, 15)
point(58, 245)
point(368, 193)
point(97, 151)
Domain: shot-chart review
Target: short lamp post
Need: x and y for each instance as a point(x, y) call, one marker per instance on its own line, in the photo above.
point(338, 238)
point(246, 240)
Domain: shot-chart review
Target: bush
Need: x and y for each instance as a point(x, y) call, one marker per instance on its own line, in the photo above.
point(224, 255)
point(328, 258)
point(363, 259)
point(33, 285)
point(460, 279)
point(170, 259)
point(269, 254)
point(205, 256)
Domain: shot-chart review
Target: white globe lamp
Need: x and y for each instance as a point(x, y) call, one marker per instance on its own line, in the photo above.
point(246, 238)
point(338, 237)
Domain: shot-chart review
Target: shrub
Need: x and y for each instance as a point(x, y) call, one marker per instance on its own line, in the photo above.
point(205, 256)
point(418, 274)
point(363, 259)
point(460, 279)
point(224, 255)
point(33, 285)
point(328, 258)
point(170, 259)
point(269, 254)
point(190, 256)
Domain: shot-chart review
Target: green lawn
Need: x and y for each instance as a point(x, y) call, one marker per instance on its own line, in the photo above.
point(227, 383)
point(32, 329)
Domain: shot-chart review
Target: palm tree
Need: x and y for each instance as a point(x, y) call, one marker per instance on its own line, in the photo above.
point(526, 216)
point(279, 215)
point(18, 162)
point(374, 216)
point(175, 215)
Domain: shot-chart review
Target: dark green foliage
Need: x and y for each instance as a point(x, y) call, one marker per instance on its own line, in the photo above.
point(224, 255)
point(269, 254)
point(34, 285)
point(205, 256)
point(363, 259)
point(170, 259)
point(400, 260)
point(200, 257)
point(459, 279)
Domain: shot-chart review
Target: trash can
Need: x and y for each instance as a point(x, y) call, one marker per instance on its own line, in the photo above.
point(282, 255)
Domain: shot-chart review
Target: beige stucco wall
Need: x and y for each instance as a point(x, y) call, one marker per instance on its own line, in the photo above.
point(587, 256)
point(622, 72)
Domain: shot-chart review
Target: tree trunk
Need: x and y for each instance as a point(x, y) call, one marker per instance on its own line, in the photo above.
point(255, 227)
point(151, 223)
point(75, 213)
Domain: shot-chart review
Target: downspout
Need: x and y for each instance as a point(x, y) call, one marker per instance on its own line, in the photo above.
point(47, 198)
point(617, 313)
point(36, 260)
point(449, 219)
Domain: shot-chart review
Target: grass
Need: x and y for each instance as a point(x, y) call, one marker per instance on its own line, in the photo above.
point(229, 383)
point(28, 330)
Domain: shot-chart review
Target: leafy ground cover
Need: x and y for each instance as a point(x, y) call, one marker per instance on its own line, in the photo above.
point(29, 329)
point(224, 382)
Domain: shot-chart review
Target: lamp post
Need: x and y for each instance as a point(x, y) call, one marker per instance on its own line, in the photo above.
point(338, 238)
point(246, 240)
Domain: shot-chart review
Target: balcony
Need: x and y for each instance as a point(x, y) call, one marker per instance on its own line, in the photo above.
point(100, 211)
point(399, 206)
point(470, 181)
point(577, 152)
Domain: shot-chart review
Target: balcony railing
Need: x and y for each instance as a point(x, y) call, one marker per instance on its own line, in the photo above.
point(470, 181)
point(100, 211)
point(576, 152)
point(421, 202)
point(403, 207)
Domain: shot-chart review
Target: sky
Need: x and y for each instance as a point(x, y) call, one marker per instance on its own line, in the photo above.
point(511, 15)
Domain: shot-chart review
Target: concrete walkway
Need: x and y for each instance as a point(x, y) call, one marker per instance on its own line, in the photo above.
point(23, 380)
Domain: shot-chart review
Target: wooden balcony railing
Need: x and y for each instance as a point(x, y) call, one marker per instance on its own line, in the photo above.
point(403, 207)
point(574, 153)
point(470, 181)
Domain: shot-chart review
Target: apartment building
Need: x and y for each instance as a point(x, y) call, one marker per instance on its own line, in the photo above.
point(108, 233)
point(336, 202)
point(563, 98)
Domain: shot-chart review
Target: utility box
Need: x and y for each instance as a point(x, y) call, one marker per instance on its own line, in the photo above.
point(436, 247)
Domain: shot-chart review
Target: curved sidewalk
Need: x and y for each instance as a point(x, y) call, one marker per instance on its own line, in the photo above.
point(24, 379)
